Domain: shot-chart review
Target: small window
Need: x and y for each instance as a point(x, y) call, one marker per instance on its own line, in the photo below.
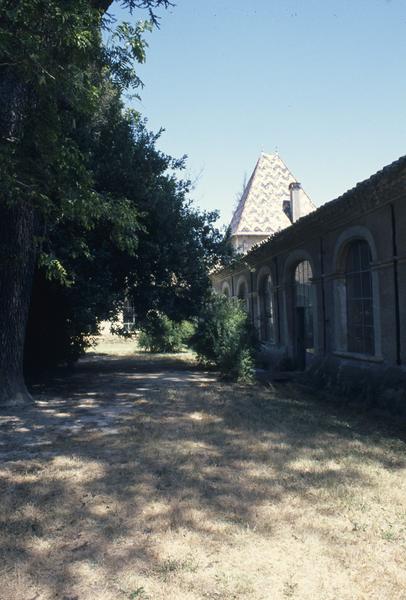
point(287, 209)
point(358, 280)
point(128, 316)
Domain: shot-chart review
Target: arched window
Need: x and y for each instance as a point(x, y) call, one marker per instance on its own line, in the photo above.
point(226, 290)
point(358, 280)
point(243, 294)
point(303, 292)
point(266, 314)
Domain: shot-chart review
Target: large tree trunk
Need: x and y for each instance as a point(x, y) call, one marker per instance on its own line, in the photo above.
point(18, 228)
point(17, 262)
point(17, 245)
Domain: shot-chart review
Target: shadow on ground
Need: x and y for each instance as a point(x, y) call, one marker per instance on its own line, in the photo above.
point(123, 454)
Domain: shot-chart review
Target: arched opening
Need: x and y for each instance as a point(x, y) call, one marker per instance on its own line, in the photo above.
point(266, 310)
point(359, 298)
point(242, 294)
point(357, 320)
point(303, 313)
point(226, 290)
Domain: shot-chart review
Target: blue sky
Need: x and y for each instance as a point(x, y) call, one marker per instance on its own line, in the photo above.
point(323, 81)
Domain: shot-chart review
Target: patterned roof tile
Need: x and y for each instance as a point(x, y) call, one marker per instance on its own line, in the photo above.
point(260, 209)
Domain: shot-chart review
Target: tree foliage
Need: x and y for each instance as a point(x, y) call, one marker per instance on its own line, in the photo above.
point(160, 334)
point(94, 204)
point(225, 337)
point(53, 71)
point(150, 245)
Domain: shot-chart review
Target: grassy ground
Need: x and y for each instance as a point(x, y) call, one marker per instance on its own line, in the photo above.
point(116, 347)
point(137, 478)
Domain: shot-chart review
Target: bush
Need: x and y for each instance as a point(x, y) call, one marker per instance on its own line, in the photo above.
point(160, 334)
point(225, 338)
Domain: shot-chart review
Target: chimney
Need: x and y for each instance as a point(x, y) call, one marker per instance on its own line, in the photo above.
point(295, 200)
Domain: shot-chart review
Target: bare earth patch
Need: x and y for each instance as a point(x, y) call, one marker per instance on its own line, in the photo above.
point(139, 479)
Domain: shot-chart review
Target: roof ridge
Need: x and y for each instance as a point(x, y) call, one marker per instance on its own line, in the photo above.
point(303, 190)
point(244, 195)
point(249, 187)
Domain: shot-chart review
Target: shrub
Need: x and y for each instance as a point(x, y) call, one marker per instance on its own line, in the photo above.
point(160, 334)
point(225, 338)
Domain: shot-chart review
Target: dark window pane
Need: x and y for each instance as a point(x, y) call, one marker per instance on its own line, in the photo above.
point(352, 263)
point(358, 257)
point(356, 312)
point(360, 321)
point(355, 339)
point(350, 283)
point(366, 284)
point(266, 309)
point(303, 299)
point(309, 327)
point(242, 292)
point(368, 313)
point(365, 255)
point(369, 346)
point(354, 285)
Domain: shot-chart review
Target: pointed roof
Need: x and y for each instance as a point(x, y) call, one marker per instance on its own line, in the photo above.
point(260, 208)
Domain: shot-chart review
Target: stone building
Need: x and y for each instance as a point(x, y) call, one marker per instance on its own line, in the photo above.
point(327, 292)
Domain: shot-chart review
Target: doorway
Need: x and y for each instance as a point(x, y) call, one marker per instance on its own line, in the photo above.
point(303, 315)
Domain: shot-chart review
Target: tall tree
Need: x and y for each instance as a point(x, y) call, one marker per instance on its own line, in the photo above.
point(46, 49)
point(149, 242)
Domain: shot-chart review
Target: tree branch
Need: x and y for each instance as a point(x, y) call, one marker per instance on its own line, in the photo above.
point(104, 5)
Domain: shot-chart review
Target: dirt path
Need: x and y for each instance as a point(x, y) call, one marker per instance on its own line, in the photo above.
point(143, 479)
point(98, 398)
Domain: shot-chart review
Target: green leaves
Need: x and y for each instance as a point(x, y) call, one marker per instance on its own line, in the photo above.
point(130, 37)
point(126, 47)
point(115, 215)
point(54, 269)
point(225, 337)
point(161, 334)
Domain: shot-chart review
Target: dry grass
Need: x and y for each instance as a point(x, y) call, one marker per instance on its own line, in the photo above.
point(112, 346)
point(131, 480)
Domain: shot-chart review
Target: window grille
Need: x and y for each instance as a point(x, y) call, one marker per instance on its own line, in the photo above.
point(358, 280)
point(128, 316)
point(304, 299)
